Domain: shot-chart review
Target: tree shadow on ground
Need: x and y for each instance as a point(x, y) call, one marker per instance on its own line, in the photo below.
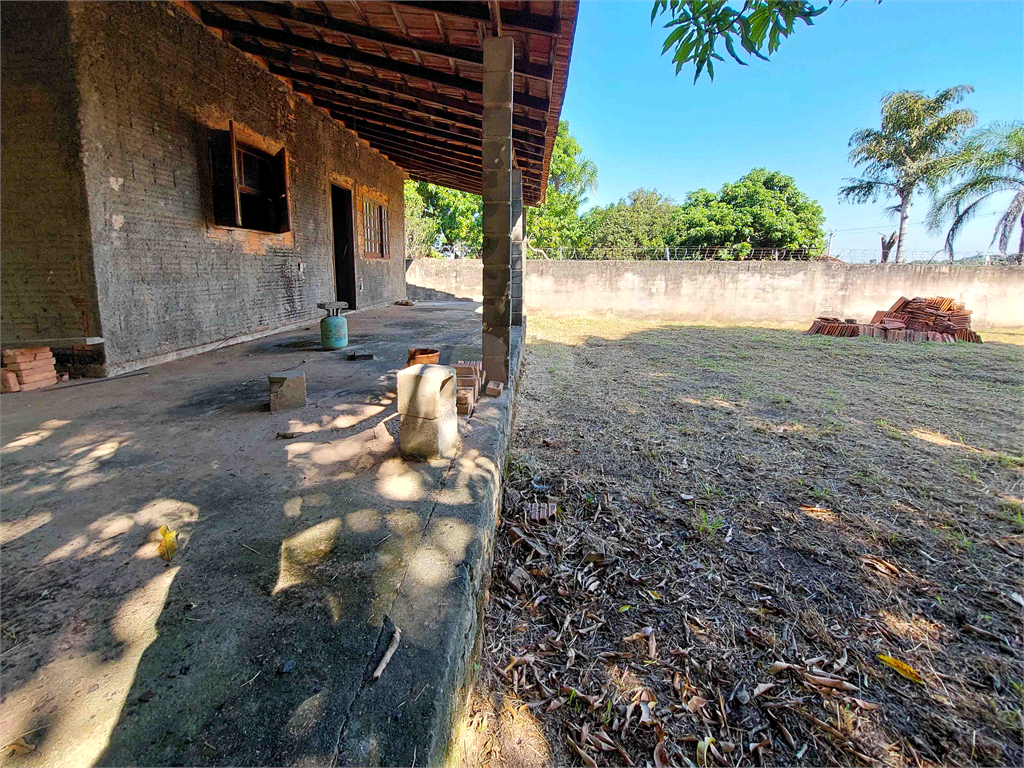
point(296, 559)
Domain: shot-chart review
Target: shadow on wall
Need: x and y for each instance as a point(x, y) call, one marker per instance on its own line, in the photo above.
point(256, 643)
point(415, 290)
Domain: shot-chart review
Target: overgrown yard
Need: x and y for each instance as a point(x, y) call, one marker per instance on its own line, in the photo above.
point(747, 520)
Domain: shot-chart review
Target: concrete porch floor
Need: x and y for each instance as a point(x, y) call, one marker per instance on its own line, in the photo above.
point(296, 558)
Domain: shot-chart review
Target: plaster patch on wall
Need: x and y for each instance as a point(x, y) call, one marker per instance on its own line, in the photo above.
point(117, 221)
point(115, 183)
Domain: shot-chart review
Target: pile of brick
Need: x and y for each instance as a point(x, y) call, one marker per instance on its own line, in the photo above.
point(26, 369)
point(938, 318)
point(469, 385)
point(471, 382)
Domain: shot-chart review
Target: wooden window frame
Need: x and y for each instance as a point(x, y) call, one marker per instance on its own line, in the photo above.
point(376, 230)
point(227, 187)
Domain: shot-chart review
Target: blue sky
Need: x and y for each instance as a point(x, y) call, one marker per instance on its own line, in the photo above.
point(645, 126)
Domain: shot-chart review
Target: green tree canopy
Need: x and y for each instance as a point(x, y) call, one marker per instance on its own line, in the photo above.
point(759, 26)
point(557, 223)
point(644, 220)
point(912, 149)
point(763, 209)
point(438, 217)
point(443, 217)
point(421, 232)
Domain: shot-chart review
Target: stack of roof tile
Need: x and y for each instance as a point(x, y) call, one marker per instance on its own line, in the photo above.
point(937, 318)
point(26, 369)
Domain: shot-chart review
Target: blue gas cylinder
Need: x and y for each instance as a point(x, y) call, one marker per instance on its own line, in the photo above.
point(334, 332)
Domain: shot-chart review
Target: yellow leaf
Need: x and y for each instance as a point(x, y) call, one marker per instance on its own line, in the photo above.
point(907, 671)
point(702, 750)
point(168, 543)
point(19, 747)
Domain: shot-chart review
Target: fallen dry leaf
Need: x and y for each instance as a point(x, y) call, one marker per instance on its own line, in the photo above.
point(168, 543)
point(865, 705)
point(695, 703)
point(762, 688)
point(780, 666)
point(18, 747)
point(702, 750)
point(830, 682)
point(882, 566)
point(519, 579)
point(587, 759)
point(907, 671)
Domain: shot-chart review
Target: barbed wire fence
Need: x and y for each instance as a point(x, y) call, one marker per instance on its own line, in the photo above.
point(745, 252)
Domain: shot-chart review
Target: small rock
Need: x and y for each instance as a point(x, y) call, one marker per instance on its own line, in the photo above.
point(94, 687)
point(147, 696)
point(287, 667)
point(742, 695)
point(184, 670)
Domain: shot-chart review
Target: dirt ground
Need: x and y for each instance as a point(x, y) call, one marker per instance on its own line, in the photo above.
point(747, 521)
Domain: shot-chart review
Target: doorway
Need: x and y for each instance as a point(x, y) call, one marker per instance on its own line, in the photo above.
point(344, 245)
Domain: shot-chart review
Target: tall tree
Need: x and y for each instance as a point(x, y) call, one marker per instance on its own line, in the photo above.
point(759, 26)
point(991, 163)
point(918, 134)
point(447, 218)
point(421, 231)
point(457, 217)
point(764, 209)
point(556, 224)
point(646, 220)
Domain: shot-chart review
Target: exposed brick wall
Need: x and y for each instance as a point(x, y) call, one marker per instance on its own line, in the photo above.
point(47, 288)
point(152, 79)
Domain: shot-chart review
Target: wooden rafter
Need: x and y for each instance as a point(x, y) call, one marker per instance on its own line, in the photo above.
point(406, 76)
point(447, 50)
point(523, 21)
point(380, 95)
point(465, 128)
point(351, 54)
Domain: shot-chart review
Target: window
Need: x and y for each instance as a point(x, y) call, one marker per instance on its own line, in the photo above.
point(250, 186)
point(375, 230)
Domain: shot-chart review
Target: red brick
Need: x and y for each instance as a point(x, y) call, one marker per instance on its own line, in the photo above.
point(9, 382)
point(38, 384)
point(33, 365)
point(27, 377)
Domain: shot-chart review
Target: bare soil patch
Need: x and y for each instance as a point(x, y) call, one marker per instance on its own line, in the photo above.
point(747, 520)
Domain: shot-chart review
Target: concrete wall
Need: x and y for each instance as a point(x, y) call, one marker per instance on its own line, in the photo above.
point(151, 80)
point(47, 288)
point(740, 293)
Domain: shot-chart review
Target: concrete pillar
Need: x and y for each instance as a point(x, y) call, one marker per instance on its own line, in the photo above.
point(516, 260)
point(497, 194)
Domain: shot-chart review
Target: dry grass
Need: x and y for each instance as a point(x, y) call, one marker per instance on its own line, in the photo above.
point(734, 498)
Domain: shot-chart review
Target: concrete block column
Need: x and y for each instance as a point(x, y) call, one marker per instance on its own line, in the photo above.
point(517, 254)
point(497, 195)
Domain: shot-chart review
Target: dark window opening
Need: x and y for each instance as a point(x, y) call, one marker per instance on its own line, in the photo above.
point(250, 187)
point(375, 230)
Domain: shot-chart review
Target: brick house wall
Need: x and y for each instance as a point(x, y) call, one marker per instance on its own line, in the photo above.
point(47, 289)
point(152, 81)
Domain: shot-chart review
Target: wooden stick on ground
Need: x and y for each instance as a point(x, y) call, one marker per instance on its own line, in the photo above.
point(392, 647)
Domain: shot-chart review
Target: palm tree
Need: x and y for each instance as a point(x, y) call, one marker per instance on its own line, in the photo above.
point(991, 163)
point(917, 136)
